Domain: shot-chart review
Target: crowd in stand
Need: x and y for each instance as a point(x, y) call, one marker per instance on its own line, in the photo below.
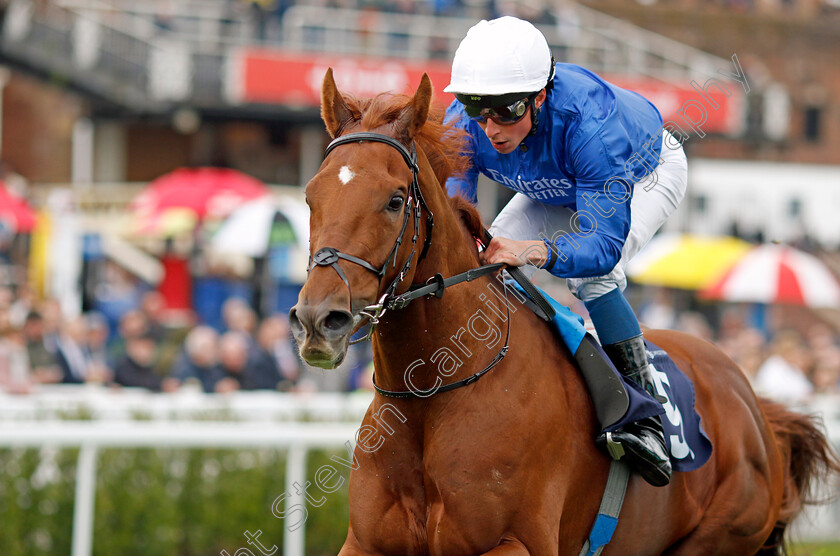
point(782, 361)
point(791, 366)
point(38, 346)
point(482, 8)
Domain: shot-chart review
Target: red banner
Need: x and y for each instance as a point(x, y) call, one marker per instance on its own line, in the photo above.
point(707, 108)
point(277, 77)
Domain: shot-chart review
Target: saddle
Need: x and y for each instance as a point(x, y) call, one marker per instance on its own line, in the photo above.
point(619, 401)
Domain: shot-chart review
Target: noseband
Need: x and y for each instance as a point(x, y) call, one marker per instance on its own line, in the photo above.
point(328, 256)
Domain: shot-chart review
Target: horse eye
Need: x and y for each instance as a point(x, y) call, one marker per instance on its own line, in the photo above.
point(395, 203)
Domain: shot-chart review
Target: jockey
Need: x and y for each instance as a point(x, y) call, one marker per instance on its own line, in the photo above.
point(595, 176)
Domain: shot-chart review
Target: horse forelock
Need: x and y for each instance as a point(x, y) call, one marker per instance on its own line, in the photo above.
point(443, 144)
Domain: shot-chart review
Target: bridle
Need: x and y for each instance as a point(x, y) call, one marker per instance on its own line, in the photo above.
point(416, 204)
point(328, 256)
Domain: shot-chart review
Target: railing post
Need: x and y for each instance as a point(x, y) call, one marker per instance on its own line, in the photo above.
point(294, 541)
point(84, 503)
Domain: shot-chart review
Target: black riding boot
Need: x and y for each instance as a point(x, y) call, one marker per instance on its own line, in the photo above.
point(642, 442)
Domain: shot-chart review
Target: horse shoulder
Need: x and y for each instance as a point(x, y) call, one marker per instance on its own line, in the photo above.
point(387, 501)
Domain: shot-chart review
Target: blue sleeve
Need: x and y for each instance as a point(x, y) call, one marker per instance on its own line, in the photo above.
point(465, 185)
point(593, 248)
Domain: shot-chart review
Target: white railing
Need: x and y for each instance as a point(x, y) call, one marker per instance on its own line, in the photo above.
point(257, 420)
point(91, 436)
point(98, 402)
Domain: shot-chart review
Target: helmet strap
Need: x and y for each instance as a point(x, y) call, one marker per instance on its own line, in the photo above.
point(535, 112)
point(535, 117)
point(552, 70)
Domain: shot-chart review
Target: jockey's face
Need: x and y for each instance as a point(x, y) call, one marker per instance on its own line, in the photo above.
point(506, 138)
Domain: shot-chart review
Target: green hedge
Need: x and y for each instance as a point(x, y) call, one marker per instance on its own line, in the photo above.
point(159, 502)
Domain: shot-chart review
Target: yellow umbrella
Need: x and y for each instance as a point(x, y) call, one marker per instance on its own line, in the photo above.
point(685, 261)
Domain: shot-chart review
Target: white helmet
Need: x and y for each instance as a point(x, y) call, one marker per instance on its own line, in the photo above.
point(502, 56)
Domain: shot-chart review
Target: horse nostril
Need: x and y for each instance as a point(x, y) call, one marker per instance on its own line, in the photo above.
point(337, 322)
point(295, 324)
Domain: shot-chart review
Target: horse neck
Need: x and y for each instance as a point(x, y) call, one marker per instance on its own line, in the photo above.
point(426, 327)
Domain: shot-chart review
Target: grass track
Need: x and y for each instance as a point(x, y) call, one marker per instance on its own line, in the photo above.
point(829, 549)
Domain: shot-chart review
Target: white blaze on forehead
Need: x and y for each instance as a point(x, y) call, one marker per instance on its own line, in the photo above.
point(345, 174)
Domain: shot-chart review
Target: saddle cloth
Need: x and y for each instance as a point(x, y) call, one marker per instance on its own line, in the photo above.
point(687, 442)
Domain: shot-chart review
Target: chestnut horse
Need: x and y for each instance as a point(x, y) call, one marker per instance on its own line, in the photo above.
point(506, 465)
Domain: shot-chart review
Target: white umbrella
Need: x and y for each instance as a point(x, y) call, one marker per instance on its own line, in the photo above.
point(248, 228)
point(777, 274)
point(247, 233)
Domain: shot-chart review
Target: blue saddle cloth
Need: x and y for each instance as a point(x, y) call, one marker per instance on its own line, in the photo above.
point(687, 442)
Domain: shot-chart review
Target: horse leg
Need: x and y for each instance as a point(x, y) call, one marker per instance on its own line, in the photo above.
point(728, 527)
point(509, 548)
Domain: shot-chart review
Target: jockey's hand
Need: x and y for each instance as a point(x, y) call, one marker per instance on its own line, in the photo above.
point(515, 253)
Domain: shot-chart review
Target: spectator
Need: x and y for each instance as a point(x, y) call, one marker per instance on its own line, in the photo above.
point(14, 364)
point(168, 339)
point(164, 15)
point(821, 340)
point(825, 375)
point(199, 361)
point(732, 322)
point(260, 13)
point(137, 366)
point(6, 298)
point(98, 333)
point(747, 349)
point(51, 314)
point(659, 312)
point(695, 324)
point(275, 342)
point(132, 324)
point(42, 363)
point(72, 353)
point(782, 375)
point(21, 306)
point(241, 371)
point(237, 315)
point(153, 306)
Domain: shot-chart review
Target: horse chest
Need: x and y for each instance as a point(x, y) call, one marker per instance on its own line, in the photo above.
point(423, 499)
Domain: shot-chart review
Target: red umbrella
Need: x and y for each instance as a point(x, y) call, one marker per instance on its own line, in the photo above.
point(208, 192)
point(16, 211)
point(773, 273)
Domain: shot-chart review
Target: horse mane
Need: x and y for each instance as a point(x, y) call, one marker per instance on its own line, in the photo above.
point(468, 215)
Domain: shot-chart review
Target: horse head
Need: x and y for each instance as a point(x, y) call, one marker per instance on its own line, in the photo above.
point(366, 228)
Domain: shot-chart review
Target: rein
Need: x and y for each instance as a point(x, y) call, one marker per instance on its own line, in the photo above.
point(328, 256)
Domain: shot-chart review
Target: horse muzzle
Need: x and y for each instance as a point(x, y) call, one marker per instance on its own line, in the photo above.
point(322, 333)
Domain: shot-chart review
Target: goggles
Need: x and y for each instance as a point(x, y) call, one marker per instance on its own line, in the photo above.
point(505, 114)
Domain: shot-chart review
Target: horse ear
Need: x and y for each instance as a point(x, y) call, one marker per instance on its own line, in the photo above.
point(415, 114)
point(334, 110)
